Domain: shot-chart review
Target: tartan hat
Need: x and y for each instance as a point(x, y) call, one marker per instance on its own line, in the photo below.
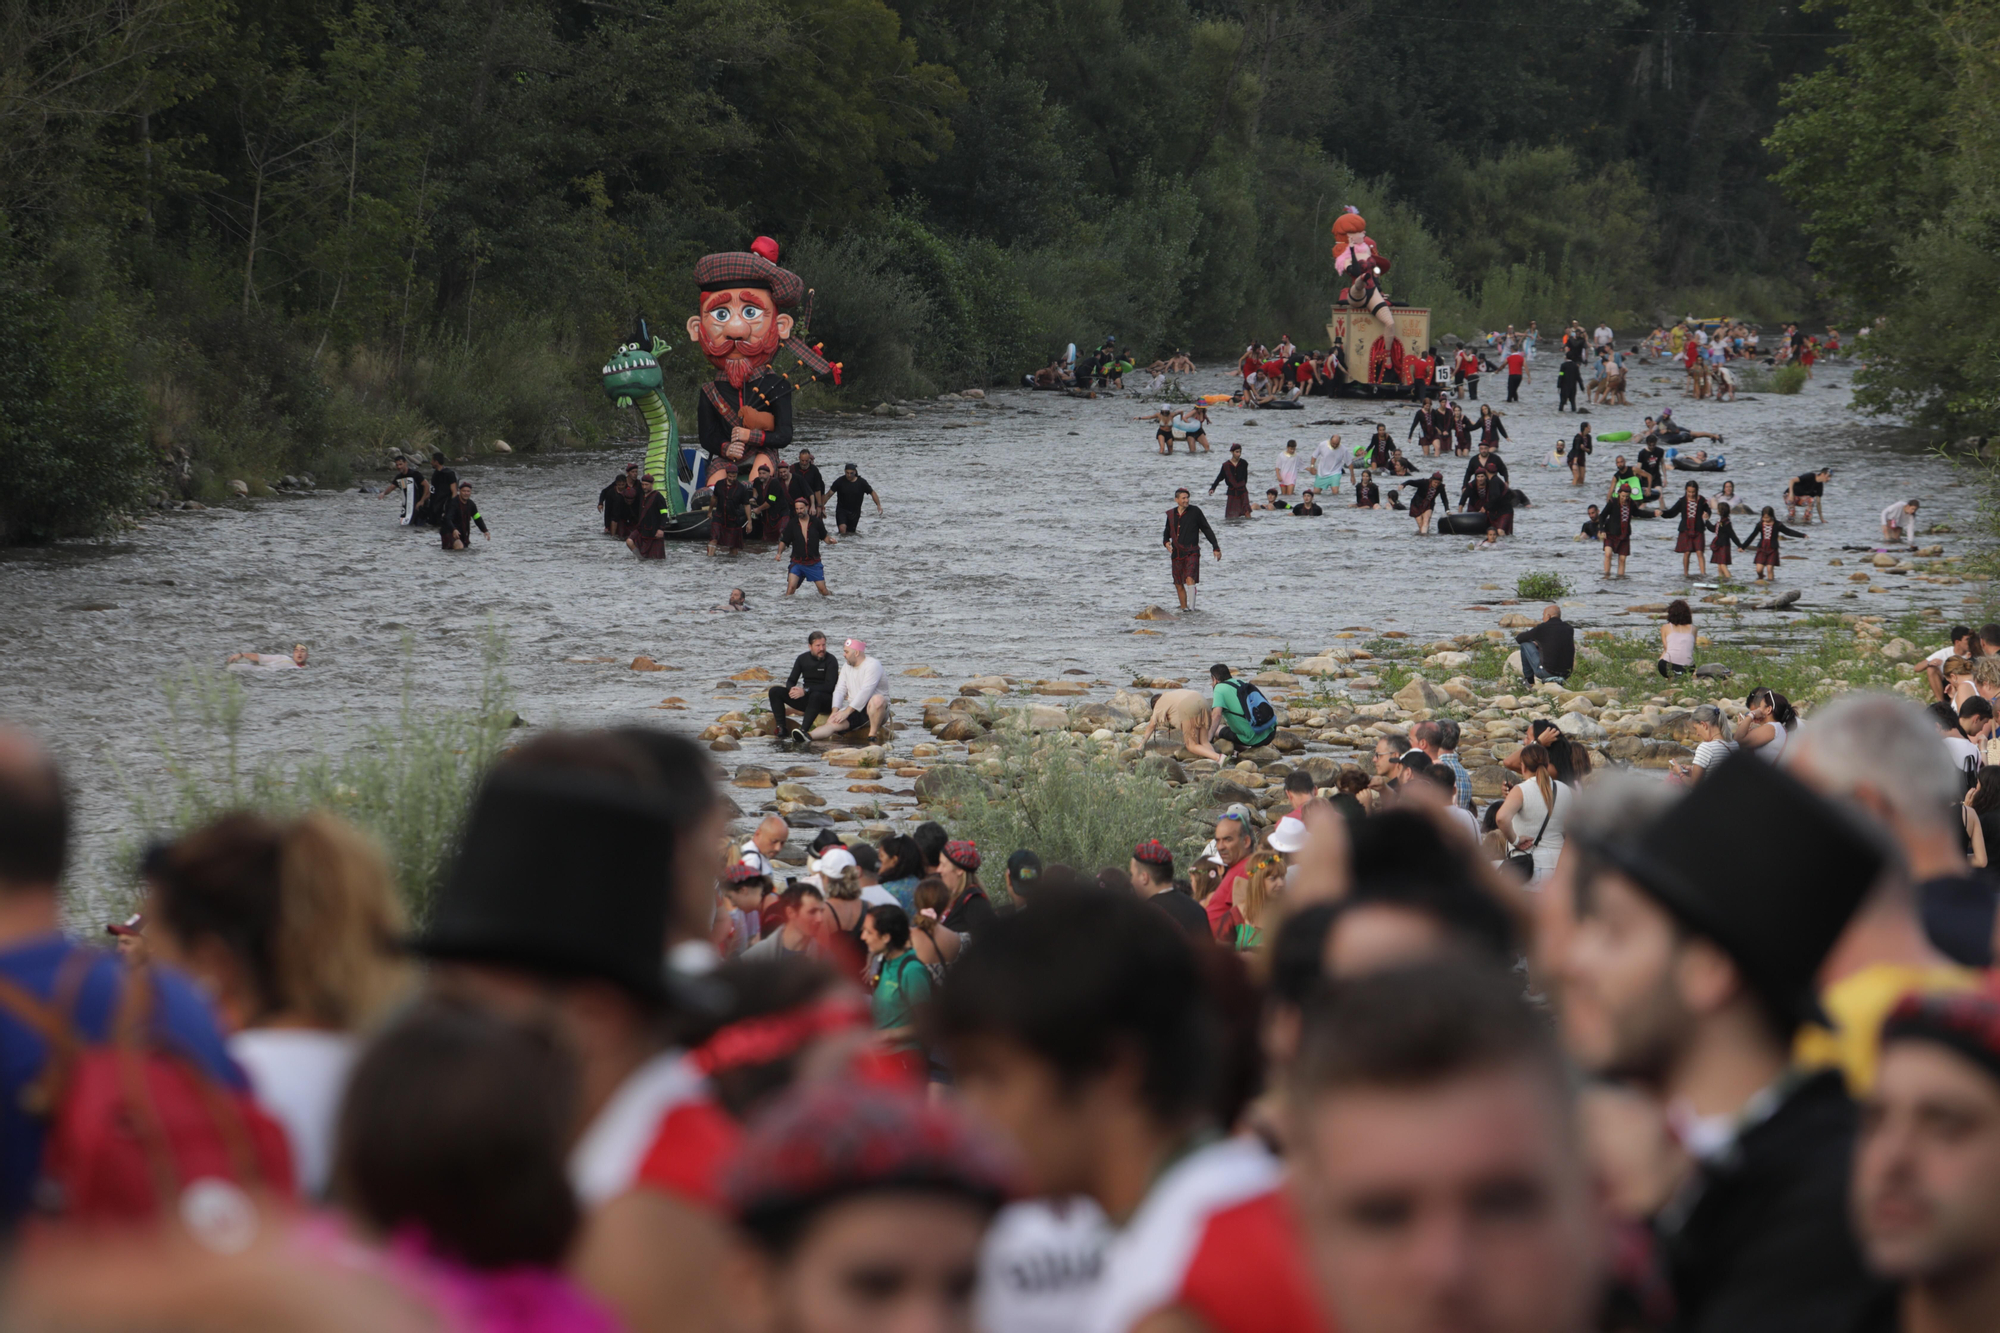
point(1153, 852)
point(1967, 1022)
point(743, 872)
point(746, 268)
point(962, 853)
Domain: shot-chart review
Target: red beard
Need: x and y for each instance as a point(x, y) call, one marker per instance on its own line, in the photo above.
point(740, 358)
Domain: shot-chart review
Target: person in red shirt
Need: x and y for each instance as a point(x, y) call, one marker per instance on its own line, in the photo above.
point(1438, 1173)
point(1089, 1030)
point(1517, 365)
point(1233, 845)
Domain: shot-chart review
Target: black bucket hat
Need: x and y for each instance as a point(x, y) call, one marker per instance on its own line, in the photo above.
point(1761, 865)
point(561, 873)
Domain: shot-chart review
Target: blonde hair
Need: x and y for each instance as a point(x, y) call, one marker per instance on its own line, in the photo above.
point(1955, 667)
point(339, 923)
point(846, 886)
point(1266, 882)
point(1986, 671)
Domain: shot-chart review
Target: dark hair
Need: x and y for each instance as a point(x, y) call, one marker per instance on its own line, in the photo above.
point(1533, 757)
point(34, 821)
point(1300, 781)
point(1678, 612)
point(1084, 977)
point(909, 857)
point(1400, 859)
point(817, 636)
point(866, 857)
point(1426, 732)
point(220, 883)
point(1986, 789)
point(1782, 711)
point(930, 838)
point(1989, 632)
point(931, 891)
point(1946, 717)
point(795, 895)
point(1418, 1026)
point(1963, 632)
point(1218, 673)
point(893, 923)
point(1442, 776)
point(1975, 707)
point(455, 1123)
point(1447, 733)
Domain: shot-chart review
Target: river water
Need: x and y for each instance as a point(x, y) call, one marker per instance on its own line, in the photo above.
point(1022, 536)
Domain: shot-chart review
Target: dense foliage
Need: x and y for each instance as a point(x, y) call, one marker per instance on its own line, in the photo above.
point(335, 225)
point(1892, 152)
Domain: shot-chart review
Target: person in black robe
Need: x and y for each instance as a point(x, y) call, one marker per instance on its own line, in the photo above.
point(649, 529)
point(729, 501)
point(619, 502)
point(1692, 509)
point(1427, 496)
point(444, 486)
point(1235, 475)
point(1186, 527)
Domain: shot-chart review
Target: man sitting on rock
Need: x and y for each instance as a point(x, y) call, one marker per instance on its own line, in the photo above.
point(1185, 711)
point(859, 701)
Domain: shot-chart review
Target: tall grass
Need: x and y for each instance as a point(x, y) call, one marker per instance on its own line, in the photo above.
point(1067, 804)
point(406, 782)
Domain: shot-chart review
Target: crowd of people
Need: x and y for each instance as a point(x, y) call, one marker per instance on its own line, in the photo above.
point(1603, 1053)
point(441, 500)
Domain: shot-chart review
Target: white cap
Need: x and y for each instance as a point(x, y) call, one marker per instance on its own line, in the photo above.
point(837, 862)
point(1289, 836)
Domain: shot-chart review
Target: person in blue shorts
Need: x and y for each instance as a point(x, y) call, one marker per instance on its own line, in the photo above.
point(802, 537)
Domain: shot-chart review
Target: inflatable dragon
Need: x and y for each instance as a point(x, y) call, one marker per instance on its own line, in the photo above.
point(632, 379)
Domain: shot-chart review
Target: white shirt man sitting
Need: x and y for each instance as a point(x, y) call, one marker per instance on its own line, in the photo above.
point(858, 692)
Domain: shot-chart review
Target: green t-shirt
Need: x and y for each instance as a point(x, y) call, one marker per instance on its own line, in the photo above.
point(904, 984)
point(1228, 700)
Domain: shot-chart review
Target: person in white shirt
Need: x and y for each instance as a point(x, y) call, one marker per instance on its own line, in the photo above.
point(1288, 469)
point(764, 844)
point(858, 691)
point(1329, 458)
point(273, 661)
point(1899, 522)
point(1964, 643)
point(1603, 335)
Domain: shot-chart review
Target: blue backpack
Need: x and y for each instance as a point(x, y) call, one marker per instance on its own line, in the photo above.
point(1258, 709)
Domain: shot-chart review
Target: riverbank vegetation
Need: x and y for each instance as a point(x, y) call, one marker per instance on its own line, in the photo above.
point(275, 236)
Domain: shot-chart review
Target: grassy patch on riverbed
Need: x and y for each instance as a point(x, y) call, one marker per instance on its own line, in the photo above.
point(406, 782)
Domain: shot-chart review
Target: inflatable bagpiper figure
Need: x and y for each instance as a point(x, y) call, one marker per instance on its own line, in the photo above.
point(744, 415)
point(1360, 264)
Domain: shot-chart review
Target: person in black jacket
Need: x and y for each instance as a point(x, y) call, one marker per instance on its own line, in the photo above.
point(1186, 526)
point(1548, 651)
point(619, 502)
point(807, 691)
point(459, 517)
point(728, 512)
point(1691, 986)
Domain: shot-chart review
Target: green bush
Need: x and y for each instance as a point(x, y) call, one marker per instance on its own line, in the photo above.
point(1068, 803)
point(407, 782)
point(1541, 586)
point(1788, 379)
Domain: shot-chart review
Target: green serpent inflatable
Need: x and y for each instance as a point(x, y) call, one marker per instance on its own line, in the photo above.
point(632, 379)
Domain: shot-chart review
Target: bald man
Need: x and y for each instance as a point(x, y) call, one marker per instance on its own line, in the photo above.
point(765, 842)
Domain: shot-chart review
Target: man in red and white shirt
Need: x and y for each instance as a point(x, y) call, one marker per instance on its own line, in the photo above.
point(1086, 1031)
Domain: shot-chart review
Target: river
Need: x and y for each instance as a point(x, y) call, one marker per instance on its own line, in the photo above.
point(1022, 536)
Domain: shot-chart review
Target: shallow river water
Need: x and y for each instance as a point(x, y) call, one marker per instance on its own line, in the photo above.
point(1022, 536)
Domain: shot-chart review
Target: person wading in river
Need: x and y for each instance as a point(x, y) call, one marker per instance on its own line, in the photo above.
point(460, 515)
point(1235, 473)
point(802, 536)
point(1186, 526)
point(649, 529)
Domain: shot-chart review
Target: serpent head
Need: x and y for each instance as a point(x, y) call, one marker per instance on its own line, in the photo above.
point(633, 370)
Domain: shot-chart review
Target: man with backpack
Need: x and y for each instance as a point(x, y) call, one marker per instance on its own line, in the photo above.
point(1241, 708)
point(53, 987)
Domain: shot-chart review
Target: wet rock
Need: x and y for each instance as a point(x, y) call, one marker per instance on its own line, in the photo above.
point(959, 728)
point(883, 410)
point(1062, 689)
point(1884, 562)
point(1224, 792)
point(1449, 659)
point(1098, 715)
point(1273, 679)
point(919, 671)
point(750, 775)
point(1713, 671)
point(645, 663)
point(1287, 742)
point(752, 673)
point(871, 789)
point(1515, 620)
point(1154, 613)
point(799, 793)
point(984, 685)
point(924, 751)
point(724, 744)
point(865, 774)
point(501, 447)
point(802, 816)
point(239, 488)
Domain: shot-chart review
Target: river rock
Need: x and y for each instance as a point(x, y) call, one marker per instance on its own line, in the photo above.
point(645, 663)
point(1224, 792)
point(751, 673)
point(1579, 727)
point(1321, 769)
point(1062, 688)
point(1459, 690)
point(865, 774)
point(1420, 693)
point(984, 685)
point(1274, 679)
point(1133, 706)
point(1044, 717)
point(924, 751)
point(1449, 658)
point(919, 671)
point(883, 410)
point(1781, 601)
point(750, 775)
point(934, 783)
point(959, 728)
point(1579, 703)
point(1900, 650)
point(797, 792)
point(1490, 781)
point(1154, 613)
point(1515, 620)
point(1713, 671)
point(724, 744)
point(1287, 742)
point(239, 488)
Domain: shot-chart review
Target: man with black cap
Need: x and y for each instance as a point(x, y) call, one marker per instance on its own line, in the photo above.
point(1690, 971)
point(1927, 1168)
point(569, 883)
point(1024, 868)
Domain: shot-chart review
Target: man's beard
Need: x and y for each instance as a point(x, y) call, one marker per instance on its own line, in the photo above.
point(740, 358)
